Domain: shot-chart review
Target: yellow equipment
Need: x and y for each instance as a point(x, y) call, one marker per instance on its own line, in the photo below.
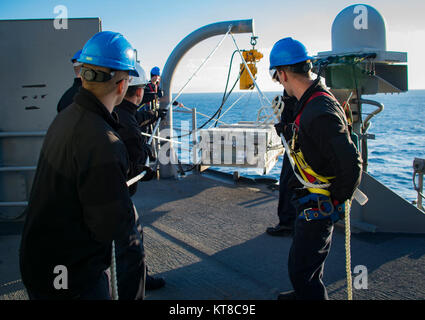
point(251, 57)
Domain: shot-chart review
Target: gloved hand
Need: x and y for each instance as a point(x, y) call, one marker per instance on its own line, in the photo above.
point(178, 104)
point(147, 148)
point(162, 113)
point(279, 127)
point(286, 130)
point(149, 175)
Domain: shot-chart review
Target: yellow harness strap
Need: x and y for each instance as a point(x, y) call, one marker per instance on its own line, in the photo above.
point(304, 168)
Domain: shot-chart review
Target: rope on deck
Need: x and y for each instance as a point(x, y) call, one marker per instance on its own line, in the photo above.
point(348, 251)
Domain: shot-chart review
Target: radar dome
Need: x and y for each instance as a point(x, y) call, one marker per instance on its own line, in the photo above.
point(357, 28)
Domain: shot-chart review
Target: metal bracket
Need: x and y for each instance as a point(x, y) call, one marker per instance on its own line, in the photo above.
point(254, 41)
point(419, 165)
point(368, 136)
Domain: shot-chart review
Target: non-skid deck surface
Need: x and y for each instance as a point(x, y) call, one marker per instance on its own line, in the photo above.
point(207, 238)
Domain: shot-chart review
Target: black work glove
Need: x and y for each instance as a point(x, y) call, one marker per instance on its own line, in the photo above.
point(162, 113)
point(148, 150)
point(286, 130)
point(279, 127)
point(149, 173)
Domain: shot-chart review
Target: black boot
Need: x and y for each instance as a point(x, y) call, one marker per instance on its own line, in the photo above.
point(153, 283)
point(288, 295)
point(281, 230)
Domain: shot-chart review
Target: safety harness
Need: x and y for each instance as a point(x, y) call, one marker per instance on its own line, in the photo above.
point(318, 203)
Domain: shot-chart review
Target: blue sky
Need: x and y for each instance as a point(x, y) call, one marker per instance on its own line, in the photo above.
point(156, 27)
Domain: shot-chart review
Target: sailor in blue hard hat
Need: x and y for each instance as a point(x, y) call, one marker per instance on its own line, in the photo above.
point(108, 61)
point(322, 150)
point(292, 55)
point(153, 91)
point(80, 201)
point(76, 64)
point(286, 52)
point(110, 50)
point(155, 71)
point(76, 56)
point(68, 96)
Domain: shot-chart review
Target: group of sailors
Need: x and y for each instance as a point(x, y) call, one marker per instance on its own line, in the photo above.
point(80, 203)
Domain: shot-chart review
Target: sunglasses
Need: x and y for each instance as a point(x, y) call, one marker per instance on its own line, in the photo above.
point(273, 74)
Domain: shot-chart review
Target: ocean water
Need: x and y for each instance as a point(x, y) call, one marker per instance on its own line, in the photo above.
point(399, 132)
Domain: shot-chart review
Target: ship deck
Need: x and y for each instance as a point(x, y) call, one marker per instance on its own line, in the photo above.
point(206, 236)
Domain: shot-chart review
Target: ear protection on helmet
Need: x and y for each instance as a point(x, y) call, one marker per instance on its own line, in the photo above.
point(302, 67)
point(89, 74)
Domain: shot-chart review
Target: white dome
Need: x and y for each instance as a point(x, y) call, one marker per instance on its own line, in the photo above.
point(357, 28)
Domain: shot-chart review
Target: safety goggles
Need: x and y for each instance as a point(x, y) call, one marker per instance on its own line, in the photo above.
point(130, 79)
point(138, 85)
point(273, 74)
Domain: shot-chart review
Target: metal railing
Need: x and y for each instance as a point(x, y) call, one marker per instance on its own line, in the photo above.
point(192, 132)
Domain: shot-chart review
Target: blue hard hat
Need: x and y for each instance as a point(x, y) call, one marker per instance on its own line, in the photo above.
point(155, 71)
point(288, 51)
point(111, 50)
point(76, 55)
